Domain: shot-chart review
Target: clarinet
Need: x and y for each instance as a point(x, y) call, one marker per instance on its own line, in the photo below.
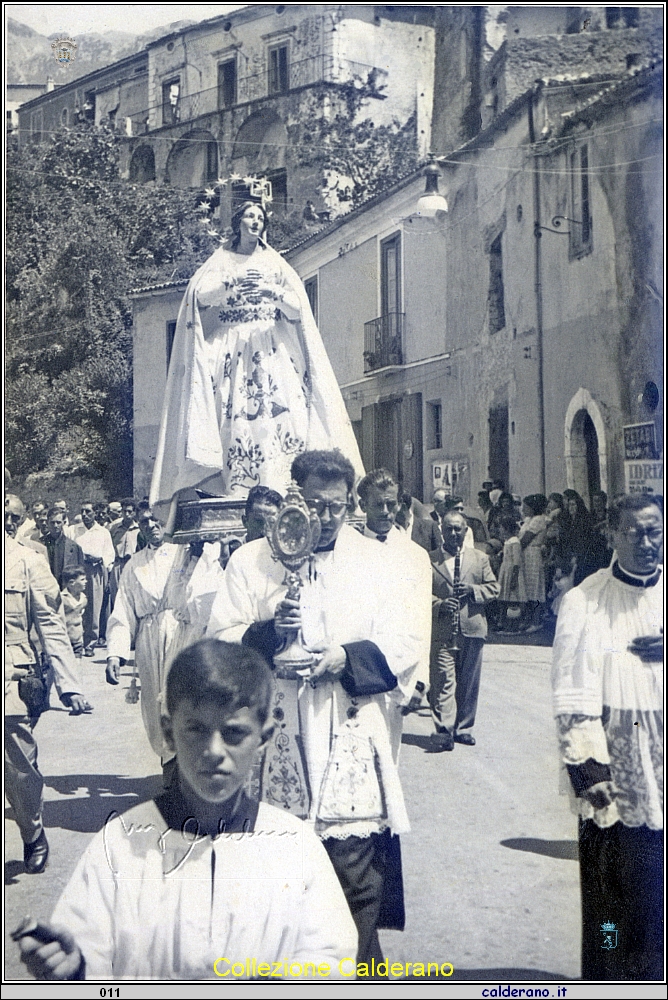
point(454, 648)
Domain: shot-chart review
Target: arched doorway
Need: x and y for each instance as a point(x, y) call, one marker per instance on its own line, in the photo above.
point(260, 144)
point(193, 161)
point(142, 165)
point(585, 446)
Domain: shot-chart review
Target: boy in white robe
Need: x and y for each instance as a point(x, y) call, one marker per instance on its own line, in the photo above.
point(202, 882)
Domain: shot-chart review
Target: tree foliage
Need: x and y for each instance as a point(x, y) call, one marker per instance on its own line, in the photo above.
point(361, 158)
point(78, 239)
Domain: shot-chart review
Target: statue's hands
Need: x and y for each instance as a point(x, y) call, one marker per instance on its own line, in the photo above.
point(287, 615)
point(333, 662)
point(600, 795)
point(254, 286)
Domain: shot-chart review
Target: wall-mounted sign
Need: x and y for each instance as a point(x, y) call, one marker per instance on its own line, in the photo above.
point(640, 441)
point(644, 477)
point(444, 476)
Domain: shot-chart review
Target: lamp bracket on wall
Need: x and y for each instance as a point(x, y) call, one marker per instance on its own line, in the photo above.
point(556, 222)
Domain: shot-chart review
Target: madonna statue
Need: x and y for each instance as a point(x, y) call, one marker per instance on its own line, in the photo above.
point(249, 384)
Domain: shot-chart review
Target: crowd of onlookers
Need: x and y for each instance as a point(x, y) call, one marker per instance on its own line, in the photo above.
point(86, 553)
point(539, 547)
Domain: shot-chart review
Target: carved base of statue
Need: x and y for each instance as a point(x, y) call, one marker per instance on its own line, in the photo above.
point(212, 519)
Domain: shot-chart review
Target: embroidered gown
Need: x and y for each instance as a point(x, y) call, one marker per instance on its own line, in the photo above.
point(249, 386)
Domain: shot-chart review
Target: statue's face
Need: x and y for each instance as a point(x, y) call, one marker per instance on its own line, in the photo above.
point(252, 222)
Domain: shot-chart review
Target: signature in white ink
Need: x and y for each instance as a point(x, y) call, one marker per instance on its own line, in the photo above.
point(191, 836)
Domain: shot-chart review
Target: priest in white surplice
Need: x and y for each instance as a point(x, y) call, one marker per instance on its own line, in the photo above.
point(371, 649)
point(408, 569)
point(607, 679)
point(163, 604)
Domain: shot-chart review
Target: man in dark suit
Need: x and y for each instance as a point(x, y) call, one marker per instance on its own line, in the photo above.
point(413, 517)
point(63, 552)
point(459, 629)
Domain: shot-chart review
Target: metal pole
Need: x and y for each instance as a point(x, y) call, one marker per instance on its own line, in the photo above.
point(538, 291)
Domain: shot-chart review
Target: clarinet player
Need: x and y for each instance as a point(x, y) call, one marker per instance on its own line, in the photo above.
point(463, 585)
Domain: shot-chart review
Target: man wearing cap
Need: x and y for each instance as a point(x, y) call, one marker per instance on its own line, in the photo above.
point(32, 599)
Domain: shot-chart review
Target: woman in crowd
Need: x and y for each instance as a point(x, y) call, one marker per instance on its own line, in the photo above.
point(586, 544)
point(504, 506)
point(250, 384)
point(531, 536)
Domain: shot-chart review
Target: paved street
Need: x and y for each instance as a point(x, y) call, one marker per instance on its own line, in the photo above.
point(490, 872)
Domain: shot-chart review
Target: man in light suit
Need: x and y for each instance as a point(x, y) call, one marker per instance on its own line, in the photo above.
point(458, 620)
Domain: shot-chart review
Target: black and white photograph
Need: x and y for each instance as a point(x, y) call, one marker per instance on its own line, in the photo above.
point(333, 472)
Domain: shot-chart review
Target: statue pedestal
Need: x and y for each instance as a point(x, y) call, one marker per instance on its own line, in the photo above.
point(214, 519)
point(218, 519)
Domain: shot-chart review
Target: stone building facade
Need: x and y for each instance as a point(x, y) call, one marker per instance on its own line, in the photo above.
point(527, 325)
point(231, 95)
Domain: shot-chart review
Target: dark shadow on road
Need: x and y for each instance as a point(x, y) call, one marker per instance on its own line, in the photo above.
point(543, 638)
point(415, 740)
point(13, 868)
point(107, 793)
point(567, 850)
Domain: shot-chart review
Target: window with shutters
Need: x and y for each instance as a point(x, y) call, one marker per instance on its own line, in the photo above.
point(580, 225)
point(171, 97)
point(227, 83)
point(278, 69)
point(497, 309)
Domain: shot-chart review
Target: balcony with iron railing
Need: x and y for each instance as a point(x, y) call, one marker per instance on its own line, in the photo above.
point(263, 85)
point(383, 342)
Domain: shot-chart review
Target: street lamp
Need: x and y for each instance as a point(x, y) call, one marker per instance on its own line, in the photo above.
point(432, 204)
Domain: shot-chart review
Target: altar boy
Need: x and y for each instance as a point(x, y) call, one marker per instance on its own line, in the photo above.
point(202, 872)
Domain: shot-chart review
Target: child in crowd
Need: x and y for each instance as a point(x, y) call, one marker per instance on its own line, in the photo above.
point(512, 595)
point(74, 602)
point(201, 873)
point(563, 579)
